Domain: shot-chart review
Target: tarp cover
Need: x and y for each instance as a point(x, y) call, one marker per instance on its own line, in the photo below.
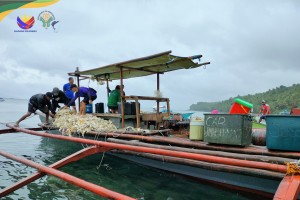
point(158, 63)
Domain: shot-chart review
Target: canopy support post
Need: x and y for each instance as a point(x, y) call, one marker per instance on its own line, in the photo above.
point(137, 112)
point(78, 85)
point(122, 97)
point(157, 102)
point(107, 87)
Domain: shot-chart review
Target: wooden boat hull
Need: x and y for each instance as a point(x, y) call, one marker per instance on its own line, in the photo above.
point(265, 187)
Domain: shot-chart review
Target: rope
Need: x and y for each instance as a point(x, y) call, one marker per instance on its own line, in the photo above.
point(98, 167)
point(293, 168)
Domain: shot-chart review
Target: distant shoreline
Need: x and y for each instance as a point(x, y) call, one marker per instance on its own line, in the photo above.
point(12, 98)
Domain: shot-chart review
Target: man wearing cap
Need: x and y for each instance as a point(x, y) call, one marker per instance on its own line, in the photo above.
point(38, 102)
point(264, 110)
point(69, 93)
point(88, 94)
point(58, 97)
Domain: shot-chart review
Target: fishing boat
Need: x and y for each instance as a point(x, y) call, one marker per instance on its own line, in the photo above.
point(250, 168)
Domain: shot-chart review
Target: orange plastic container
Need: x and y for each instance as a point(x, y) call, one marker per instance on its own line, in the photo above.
point(237, 108)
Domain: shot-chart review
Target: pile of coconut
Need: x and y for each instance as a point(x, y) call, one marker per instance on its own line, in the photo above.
point(69, 122)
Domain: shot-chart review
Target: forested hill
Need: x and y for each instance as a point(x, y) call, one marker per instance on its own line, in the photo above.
point(280, 99)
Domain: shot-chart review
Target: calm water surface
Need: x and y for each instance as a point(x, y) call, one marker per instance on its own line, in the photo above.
point(115, 174)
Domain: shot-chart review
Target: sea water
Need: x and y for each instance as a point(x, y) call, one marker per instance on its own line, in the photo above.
point(114, 173)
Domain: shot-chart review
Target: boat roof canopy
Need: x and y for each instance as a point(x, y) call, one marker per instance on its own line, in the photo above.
point(153, 64)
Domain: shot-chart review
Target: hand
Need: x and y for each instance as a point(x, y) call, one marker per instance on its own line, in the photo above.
point(90, 101)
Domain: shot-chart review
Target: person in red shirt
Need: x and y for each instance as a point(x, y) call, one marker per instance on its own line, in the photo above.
point(264, 110)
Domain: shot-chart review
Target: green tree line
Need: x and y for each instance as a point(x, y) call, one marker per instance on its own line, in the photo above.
point(280, 99)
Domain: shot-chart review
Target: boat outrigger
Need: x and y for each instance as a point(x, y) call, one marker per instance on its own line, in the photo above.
point(253, 169)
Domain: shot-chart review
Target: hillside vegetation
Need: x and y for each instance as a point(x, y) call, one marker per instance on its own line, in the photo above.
point(280, 99)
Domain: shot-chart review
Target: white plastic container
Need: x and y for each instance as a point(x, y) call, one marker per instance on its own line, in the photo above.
point(196, 129)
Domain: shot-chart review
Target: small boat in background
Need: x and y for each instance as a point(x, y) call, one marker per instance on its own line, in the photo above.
point(1, 99)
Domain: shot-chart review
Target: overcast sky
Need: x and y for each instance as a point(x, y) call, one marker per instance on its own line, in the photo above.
point(253, 46)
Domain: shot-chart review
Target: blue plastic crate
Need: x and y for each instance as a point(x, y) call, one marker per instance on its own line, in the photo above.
point(283, 132)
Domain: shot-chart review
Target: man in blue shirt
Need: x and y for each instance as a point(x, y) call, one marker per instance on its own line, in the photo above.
point(69, 93)
point(88, 94)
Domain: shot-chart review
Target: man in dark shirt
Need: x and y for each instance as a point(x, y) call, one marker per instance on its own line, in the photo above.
point(58, 97)
point(38, 102)
point(88, 94)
